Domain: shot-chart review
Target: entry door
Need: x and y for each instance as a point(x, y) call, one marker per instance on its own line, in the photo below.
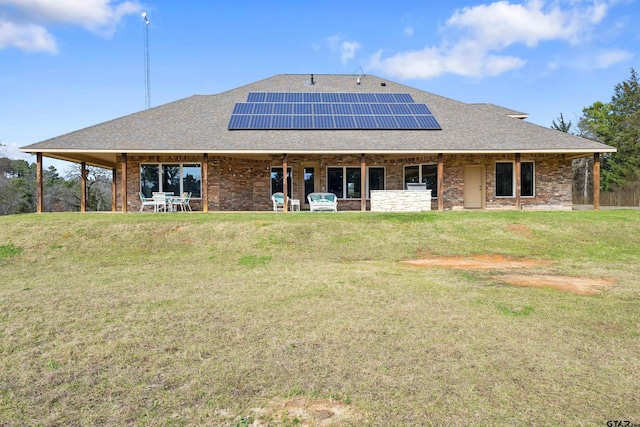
point(473, 187)
point(309, 182)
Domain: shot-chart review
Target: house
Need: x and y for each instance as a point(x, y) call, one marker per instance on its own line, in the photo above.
point(345, 134)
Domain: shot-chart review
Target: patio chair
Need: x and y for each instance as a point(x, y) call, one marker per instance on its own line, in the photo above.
point(182, 202)
point(160, 201)
point(278, 201)
point(322, 202)
point(147, 202)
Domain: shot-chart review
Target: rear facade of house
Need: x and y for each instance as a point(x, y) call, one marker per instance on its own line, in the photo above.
point(344, 134)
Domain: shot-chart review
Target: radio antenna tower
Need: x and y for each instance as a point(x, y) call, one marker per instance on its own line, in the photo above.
point(147, 65)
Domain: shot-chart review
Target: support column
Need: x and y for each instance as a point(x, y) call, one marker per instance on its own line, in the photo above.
point(39, 186)
point(596, 181)
point(123, 185)
point(83, 187)
point(440, 182)
point(363, 183)
point(284, 182)
point(518, 179)
point(205, 182)
point(114, 199)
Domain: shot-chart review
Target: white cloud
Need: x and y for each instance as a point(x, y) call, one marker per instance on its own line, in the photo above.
point(27, 37)
point(12, 151)
point(608, 58)
point(24, 23)
point(476, 36)
point(346, 49)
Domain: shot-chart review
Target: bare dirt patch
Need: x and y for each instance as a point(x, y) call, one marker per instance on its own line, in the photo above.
point(576, 285)
point(479, 262)
point(307, 412)
point(522, 230)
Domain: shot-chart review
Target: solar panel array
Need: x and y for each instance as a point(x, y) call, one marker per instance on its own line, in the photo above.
point(330, 110)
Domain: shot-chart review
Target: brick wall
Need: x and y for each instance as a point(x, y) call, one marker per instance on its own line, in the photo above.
point(242, 184)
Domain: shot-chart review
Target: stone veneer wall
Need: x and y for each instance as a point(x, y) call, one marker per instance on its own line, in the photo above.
point(236, 184)
point(400, 201)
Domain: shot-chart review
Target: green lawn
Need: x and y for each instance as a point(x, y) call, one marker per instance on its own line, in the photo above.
point(220, 319)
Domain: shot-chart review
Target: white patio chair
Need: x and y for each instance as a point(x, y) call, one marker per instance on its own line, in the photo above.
point(160, 200)
point(278, 201)
point(144, 201)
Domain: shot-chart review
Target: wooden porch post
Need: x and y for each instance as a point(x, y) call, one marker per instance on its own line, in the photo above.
point(114, 199)
point(440, 182)
point(518, 183)
point(39, 186)
point(284, 181)
point(83, 186)
point(363, 183)
point(205, 182)
point(123, 185)
point(596, 181)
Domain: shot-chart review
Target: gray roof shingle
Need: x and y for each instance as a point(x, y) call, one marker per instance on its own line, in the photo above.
point(199, 124)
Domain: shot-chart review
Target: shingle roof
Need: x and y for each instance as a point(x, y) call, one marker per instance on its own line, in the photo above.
point(199, 124)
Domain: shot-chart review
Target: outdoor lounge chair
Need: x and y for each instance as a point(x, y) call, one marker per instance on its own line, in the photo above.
point(181, 202)
point(147, 202)
point(160, 200)
point(278, 201)
point(323, 202)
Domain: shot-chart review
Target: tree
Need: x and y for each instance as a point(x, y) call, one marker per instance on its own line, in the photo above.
point(561, 125)
point(618, 124)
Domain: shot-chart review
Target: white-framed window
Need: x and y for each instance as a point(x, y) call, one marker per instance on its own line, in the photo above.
point(506, 179)
point(277, 179)
point(346, 181)
point(176, 178)
point(424, 173)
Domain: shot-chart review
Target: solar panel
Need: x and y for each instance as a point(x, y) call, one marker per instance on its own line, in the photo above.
point(399, 109)
point(385, 97)
point(239, 122)
point(263, 108)
point(293, 97)
point(331, 110)
point(275, 97)
point(323, 122)
point(341, 108)
point(365, 122)
point(362, 109)
point(418, 109)
point(428, 122)
point(321, 108)
point(344, 122)
point(311, 97)
point(282, 121)
point(385, 122)
point(260, 121)
point(256, 96)
point(283, 108)
point(403, 98)
point(380, 109)
point(302, 122)
point(406, 122)
point(302, 109)
point(242, 108)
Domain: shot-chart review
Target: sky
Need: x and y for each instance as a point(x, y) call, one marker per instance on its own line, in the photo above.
point(69, 64)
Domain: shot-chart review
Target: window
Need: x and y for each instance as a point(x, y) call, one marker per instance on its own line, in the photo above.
point(346, 182)
point(505, 179)
point(176, 178)
point(427, 174)
point(277, 179)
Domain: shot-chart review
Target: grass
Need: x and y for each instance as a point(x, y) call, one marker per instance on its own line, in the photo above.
point(202, 319)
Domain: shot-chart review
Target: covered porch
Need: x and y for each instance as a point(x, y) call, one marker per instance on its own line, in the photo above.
point(245, 182)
